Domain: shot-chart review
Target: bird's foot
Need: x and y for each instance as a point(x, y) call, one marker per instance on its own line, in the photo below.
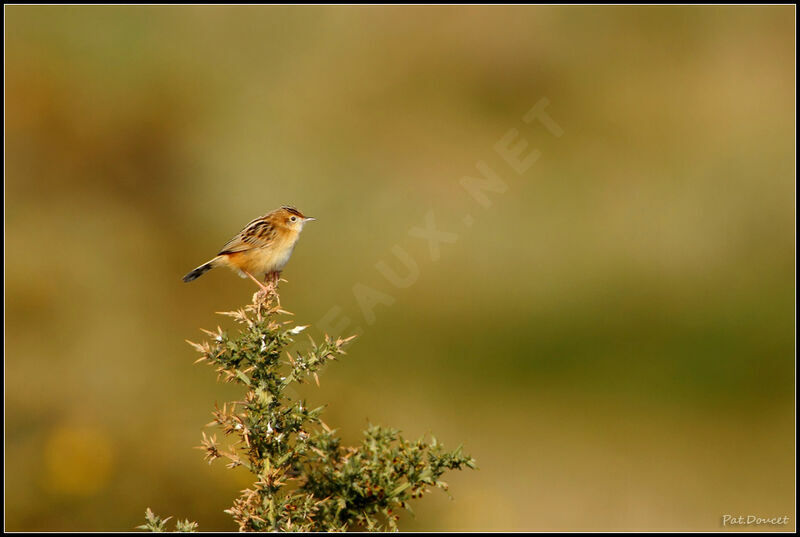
point(272, 286)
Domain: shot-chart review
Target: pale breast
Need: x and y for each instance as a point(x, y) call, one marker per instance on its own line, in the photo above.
point(282, 257)
point(273, 259)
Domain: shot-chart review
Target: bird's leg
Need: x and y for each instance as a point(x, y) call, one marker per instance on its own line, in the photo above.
point(263, 287)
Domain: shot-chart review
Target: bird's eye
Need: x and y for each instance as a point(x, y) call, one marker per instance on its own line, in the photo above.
point(293, 219)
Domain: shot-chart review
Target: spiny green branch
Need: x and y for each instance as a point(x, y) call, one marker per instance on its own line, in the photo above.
point(304, 479)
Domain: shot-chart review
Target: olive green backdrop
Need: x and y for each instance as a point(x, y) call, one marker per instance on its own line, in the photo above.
point(612, 338)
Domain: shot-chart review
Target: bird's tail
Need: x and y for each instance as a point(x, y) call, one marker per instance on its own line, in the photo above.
point(202, 269)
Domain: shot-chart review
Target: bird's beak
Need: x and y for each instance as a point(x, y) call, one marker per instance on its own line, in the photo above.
point(308, 219)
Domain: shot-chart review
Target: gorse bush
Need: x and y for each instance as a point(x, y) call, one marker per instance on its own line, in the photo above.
point(304, 478)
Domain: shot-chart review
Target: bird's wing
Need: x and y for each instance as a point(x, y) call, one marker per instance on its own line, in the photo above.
point(257, 234)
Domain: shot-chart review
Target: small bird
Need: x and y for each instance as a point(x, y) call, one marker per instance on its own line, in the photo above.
point(261, 249)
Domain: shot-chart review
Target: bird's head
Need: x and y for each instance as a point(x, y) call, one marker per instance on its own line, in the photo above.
point(291, 218)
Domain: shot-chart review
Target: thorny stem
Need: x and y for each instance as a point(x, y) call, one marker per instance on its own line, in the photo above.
point(305, 480)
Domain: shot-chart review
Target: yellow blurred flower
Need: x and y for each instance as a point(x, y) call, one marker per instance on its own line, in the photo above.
point(77, 460)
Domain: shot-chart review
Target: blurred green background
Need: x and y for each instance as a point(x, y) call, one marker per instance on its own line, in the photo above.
point(612, 340)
